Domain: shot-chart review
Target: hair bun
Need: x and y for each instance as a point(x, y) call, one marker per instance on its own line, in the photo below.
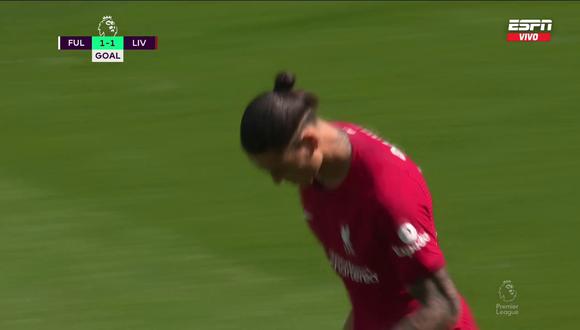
point(284, 82)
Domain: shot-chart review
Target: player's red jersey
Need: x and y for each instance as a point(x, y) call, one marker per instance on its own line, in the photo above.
point(378, 232)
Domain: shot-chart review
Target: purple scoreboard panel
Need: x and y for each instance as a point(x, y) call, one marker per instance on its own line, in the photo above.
point(108, 48)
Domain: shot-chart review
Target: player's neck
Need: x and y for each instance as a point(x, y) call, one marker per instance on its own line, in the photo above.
point(337, 158)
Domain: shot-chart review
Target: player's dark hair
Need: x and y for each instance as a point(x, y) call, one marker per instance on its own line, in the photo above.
point(272, 118)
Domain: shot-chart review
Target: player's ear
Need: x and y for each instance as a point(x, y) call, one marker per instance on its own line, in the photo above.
point(309, 140)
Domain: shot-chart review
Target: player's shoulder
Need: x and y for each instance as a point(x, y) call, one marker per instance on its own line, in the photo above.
point(380, 158)
point(398, 183)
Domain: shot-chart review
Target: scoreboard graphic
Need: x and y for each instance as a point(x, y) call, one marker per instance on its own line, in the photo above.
point(107, 46)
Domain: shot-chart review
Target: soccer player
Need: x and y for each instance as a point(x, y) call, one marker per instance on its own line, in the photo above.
point(368, 205)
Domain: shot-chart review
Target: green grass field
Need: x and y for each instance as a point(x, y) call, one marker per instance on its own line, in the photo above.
point(127, 203)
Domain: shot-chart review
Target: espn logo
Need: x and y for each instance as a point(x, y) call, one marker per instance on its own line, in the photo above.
point(526, 30)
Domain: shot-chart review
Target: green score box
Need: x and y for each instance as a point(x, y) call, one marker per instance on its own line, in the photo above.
point(107, 43)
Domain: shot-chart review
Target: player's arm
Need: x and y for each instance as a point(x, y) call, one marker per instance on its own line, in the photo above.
point(405, 221)
point(440, 304)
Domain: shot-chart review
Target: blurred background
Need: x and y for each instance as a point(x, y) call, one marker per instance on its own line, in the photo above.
point(127, 203)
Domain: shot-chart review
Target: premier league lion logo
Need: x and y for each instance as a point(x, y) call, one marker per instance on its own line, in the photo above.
point(507, 291)
point(107, 27)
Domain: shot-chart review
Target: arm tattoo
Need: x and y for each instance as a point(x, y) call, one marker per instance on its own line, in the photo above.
point(440, 304)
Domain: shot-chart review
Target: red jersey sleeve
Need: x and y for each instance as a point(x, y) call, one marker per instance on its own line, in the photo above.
point(405, 222)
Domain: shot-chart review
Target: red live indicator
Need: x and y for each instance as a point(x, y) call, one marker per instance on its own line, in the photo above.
point(529, 37)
